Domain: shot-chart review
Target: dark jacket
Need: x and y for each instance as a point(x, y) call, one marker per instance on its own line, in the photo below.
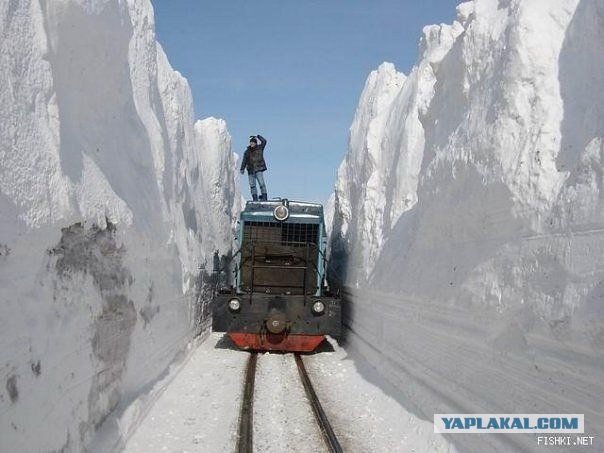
point(253, 158)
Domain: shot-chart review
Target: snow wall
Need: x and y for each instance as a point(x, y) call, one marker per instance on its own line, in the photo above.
point(112, 200)
point(469, 217)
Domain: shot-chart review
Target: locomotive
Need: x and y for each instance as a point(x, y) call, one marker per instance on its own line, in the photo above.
point(279, 299)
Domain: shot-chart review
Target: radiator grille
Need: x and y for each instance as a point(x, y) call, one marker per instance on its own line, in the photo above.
point(279, 257)
point(294, 234)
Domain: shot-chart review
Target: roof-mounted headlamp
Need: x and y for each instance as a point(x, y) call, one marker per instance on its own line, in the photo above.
point(281, 212)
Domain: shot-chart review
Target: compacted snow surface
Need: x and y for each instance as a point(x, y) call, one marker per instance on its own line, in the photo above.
point(364, 417)
point(199, 407)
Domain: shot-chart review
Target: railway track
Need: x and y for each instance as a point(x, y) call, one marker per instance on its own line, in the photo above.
point(245, 443)
point(246, 419)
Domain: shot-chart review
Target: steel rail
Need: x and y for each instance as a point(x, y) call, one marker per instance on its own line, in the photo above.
point(246, 418)
point(328, 435)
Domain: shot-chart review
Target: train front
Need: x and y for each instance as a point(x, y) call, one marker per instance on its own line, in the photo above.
point(279, 299)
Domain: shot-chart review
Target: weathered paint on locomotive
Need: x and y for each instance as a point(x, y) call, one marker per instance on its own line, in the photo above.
point(276, 314)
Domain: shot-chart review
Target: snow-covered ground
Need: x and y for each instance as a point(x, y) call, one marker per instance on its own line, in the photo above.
point(469, 216)
point(283, 419)
point(361, 407)
point(198, 409)
point(112, 201)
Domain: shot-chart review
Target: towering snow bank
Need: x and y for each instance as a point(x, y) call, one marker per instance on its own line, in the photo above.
point(329, 211)
point(493, 267)
point(377, 181)
point(112, 202)
point(218, 176)
point(366, 168)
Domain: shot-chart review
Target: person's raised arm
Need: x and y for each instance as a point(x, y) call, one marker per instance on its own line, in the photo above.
point(262, 141)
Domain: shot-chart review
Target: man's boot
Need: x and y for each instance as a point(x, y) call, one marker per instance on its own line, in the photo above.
point(254, 197)
point(263, 197)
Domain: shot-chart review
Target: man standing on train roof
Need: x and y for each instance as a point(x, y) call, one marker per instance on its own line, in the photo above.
point(253, 161)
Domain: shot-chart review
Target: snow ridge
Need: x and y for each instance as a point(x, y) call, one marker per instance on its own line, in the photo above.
point(113, 200)
point(377, 181)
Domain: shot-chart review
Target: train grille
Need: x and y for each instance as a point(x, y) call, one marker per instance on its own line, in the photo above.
point(279, 257)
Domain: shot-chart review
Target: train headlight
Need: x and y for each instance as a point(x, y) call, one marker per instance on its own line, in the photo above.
point(318, 307)
point(234, 304)
point(281, 213)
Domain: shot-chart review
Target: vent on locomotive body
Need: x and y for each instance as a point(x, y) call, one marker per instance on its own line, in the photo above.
point(280, 257)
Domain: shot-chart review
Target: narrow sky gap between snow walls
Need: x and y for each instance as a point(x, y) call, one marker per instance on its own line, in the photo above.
point(466, 232)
